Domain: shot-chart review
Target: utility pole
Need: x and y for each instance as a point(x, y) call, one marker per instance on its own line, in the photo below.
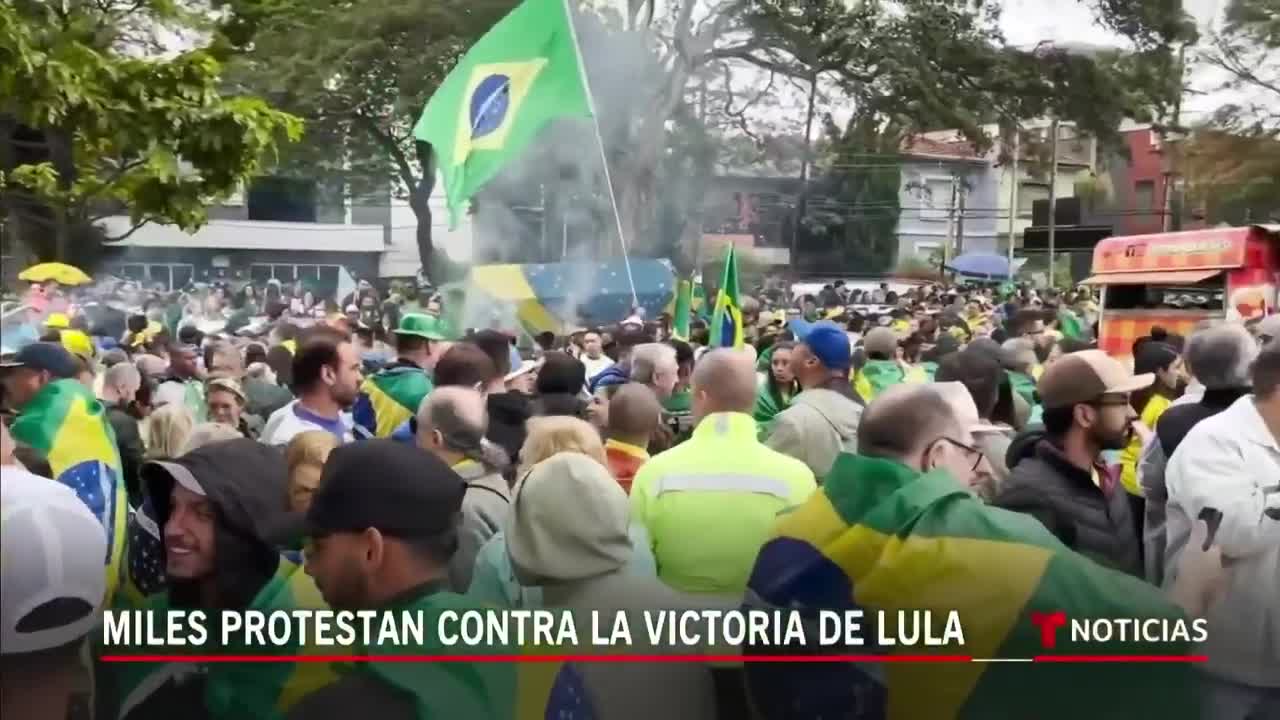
point(961, 185)
point(1053, 190)
point(951, 225)
point(1013, 190)
point(1171, 151)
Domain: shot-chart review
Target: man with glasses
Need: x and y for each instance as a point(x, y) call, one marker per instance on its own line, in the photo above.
point(1056, 475)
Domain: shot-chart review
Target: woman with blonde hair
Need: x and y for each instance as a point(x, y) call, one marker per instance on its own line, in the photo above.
point(168, 429)
point(553, 434)
point(493, 581)
point(305, 455)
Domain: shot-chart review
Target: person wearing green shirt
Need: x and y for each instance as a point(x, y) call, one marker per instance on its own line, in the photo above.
point(383, 526)
point(779, 386)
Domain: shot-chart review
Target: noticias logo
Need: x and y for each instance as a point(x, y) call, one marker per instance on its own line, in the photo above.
point(1103, 630)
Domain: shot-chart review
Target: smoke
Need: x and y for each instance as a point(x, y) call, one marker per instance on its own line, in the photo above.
point(552, 204)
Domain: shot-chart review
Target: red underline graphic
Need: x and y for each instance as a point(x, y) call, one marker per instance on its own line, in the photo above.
point(641, 658)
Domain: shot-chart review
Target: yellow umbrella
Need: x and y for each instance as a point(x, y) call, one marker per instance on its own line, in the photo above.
point(60, 273)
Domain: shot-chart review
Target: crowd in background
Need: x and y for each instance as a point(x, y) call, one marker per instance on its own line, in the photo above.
point(265, 441)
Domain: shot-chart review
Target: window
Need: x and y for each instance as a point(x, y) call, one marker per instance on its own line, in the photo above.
point(1206, 295)
point(1144, 195)
point(169, 276)
point(1028, 194)
point(320, 278)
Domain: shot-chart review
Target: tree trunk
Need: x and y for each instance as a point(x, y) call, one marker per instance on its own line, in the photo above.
point(60, 155)
point(420, 203)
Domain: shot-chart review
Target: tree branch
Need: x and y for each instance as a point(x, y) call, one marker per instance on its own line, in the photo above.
point(388, 143)
point(125, 235)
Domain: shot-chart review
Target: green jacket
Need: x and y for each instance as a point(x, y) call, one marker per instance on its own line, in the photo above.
point(767, 407)
point(442, 691)
point(1025, 386)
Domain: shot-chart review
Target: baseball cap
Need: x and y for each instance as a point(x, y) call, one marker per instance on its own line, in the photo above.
point(1082, 377)
point(829, 343)
point(45, 356)
point(881, 340)
point(51, 571)
point(398, 488)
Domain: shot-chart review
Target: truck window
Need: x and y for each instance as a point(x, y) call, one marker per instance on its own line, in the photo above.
point(1206, 296)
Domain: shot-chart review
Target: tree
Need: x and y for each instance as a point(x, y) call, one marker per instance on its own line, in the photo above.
point(1247, 52)
point(93, 124)
point(360, 74)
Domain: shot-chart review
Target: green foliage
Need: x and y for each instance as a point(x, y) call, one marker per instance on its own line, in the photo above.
point(88, 130)
point(360, 74)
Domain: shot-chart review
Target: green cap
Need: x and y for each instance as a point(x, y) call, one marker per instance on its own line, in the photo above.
point(423, 326)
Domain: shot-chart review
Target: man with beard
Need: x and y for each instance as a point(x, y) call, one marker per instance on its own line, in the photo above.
point(1056, 475)
point(383, 527)
point(217, 508)
point(326, 378)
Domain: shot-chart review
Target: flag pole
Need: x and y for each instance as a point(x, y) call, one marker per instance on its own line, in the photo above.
point(604, 160)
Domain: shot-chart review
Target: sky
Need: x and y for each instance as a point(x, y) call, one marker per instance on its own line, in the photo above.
point(1027, 22)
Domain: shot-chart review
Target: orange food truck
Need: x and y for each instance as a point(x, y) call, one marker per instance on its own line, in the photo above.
point(1178, 279)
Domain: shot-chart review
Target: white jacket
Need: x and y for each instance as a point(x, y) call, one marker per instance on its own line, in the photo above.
point(1231, 462)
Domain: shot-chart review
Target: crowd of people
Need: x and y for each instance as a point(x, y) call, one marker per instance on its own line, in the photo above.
point(372, 455)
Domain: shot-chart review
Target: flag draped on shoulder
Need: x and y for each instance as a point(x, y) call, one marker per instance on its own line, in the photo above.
point(726, 320)
point(389, 398)
point(522, 74)
point(884, 538)
point(66, 423)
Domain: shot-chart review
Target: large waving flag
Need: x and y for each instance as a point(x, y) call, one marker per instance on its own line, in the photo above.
point(69, 425)
point(879, 536)
point(522, 74)
point(726, 320)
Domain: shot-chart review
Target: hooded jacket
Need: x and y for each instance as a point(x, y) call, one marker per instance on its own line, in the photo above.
point(1092, 519)
point(819, 425)
point(485, 508)
point(569, 535)
point(245, 481)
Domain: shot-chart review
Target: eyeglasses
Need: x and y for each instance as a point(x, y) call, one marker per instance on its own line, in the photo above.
point(974, 452)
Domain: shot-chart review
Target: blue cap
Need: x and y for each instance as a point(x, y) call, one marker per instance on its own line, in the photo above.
point(45, 356)
point(829, 343)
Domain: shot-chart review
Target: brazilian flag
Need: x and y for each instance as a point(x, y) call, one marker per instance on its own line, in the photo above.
point(66, 423)
point(389, 398)
point(726, 320)
point(522, 74)
point(881, 537)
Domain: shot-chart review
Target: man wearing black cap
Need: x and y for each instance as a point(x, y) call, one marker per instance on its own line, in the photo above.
point(32, 368)
point(383, 526)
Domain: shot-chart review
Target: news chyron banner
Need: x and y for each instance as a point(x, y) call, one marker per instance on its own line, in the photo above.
point(470, 662)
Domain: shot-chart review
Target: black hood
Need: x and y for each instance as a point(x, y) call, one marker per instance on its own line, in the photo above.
point(246, 482)
point(1023, 446)
point(508, 412)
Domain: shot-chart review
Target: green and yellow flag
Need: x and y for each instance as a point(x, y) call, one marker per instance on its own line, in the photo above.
point(683, 308)
point(883, 538)
point(69, 425)
point(726, 320)
point(522, 74)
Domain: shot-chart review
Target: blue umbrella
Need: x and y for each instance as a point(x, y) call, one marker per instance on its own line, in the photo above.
point(981, 264)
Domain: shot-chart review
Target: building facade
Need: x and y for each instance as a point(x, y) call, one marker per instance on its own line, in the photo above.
point(292, 237)
point(946, 200)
